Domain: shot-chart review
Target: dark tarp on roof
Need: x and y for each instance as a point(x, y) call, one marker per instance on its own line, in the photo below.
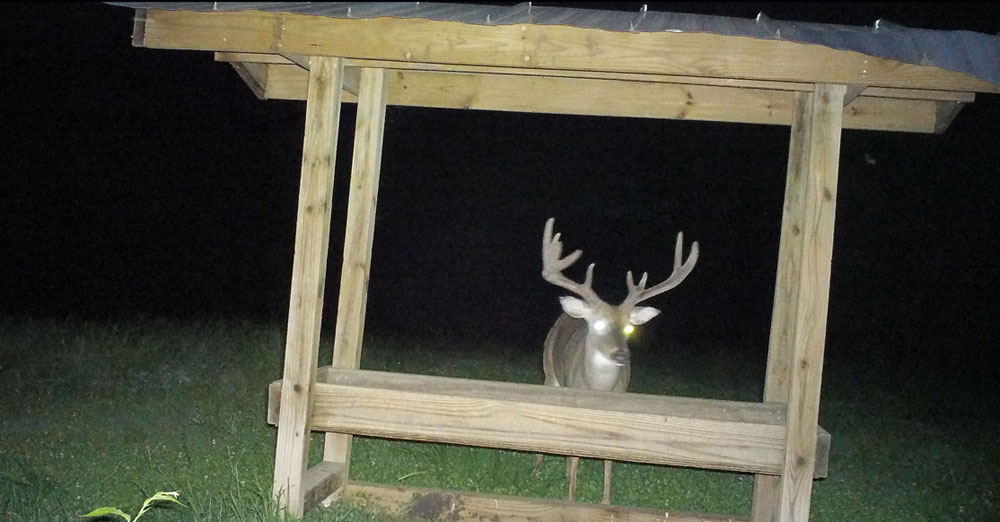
point(973, 53)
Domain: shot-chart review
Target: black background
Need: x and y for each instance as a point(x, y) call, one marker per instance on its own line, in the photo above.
point(142, 182)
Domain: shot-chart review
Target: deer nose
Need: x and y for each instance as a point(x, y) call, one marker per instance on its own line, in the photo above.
point(620, 357)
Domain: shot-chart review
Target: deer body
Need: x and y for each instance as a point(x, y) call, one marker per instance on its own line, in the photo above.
point(587, 347)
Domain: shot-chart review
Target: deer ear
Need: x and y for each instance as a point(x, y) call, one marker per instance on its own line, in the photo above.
point(574, 307)
point(641, 314)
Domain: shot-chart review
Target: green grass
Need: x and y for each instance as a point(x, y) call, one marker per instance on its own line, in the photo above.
point(106, 414)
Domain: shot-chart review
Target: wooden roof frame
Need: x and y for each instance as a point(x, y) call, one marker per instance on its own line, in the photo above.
point(545, 68)
point(326, 61)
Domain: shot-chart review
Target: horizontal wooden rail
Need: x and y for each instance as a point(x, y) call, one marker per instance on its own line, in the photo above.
point(620, 98)
point(878, 92)
point(702, 433)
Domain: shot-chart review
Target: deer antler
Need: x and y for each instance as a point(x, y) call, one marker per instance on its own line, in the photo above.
point(637, 293)
point(553, 265)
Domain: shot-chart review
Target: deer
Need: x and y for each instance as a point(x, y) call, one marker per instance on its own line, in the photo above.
point(587, 347)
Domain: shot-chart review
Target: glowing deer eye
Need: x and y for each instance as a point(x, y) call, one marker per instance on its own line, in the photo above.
point(628, 329)
point(599, 326)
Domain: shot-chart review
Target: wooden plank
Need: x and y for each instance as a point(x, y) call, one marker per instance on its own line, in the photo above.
point(551, 420)
point(254, 75)
point(945, 114)
point(430, 504)
point(225, 56)
point(139, 28)
point(890, 114)
point(543, 47)
point(284, 82)
point(852, 92)
point(585, 96)
point(919, 94)
point(789, 273)
point(556, 95)
point(301, 60)
point(795, 364)
point(882, 92)
point(322, 482)
point(305, 310)
point(359, 232)
point(823, 440)
point(514, 396)
point(352, 81)
point(641, 403)
point(819, 208)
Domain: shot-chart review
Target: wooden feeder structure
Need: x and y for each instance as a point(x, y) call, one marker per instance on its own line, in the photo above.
point(560, 61)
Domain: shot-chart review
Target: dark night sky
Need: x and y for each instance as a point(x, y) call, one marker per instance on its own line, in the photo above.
point(148, 182)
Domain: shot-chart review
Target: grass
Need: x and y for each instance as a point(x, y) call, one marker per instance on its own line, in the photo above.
point(106, 414)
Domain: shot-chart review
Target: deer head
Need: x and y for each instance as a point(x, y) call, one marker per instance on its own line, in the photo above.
point(608, 326)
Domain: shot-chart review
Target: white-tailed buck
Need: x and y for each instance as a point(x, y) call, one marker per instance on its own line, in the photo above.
point(588, 346)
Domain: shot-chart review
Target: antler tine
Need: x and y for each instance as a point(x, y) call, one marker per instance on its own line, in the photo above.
point(637, 293)
point(642, 281)
point(552, 266)
point(679, 249)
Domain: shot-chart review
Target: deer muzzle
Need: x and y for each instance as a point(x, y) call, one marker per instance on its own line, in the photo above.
point(620, 357)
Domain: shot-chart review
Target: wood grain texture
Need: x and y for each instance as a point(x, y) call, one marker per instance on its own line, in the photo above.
point(798, 331)
point(781, 346)
point(305, 310)
point(636, 427)
point(321, 482)
point(882, 92)
point(819, 208)
point(457, 506)
point(359, 233)
point(602, 97)
point(542, 47)
point(254, 75)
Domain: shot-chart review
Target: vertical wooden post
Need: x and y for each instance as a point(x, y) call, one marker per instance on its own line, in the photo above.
point(358, 241)
point(802, 293)
point(766, 487)
point(305, 309)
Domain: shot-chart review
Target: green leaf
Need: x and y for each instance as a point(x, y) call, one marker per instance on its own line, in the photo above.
point(160, 495)
point(166, 495)
point(108, 511)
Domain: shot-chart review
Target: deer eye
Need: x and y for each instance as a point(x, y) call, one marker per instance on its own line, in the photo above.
point(599, 326)
point(628, 329)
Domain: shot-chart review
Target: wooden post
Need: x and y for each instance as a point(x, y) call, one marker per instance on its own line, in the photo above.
point(305, 309)
point(358, 241)
point(801, 298)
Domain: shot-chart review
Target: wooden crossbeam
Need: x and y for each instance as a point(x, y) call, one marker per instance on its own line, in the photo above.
point(725, 435)
point(879, 92)
point(567, 95)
